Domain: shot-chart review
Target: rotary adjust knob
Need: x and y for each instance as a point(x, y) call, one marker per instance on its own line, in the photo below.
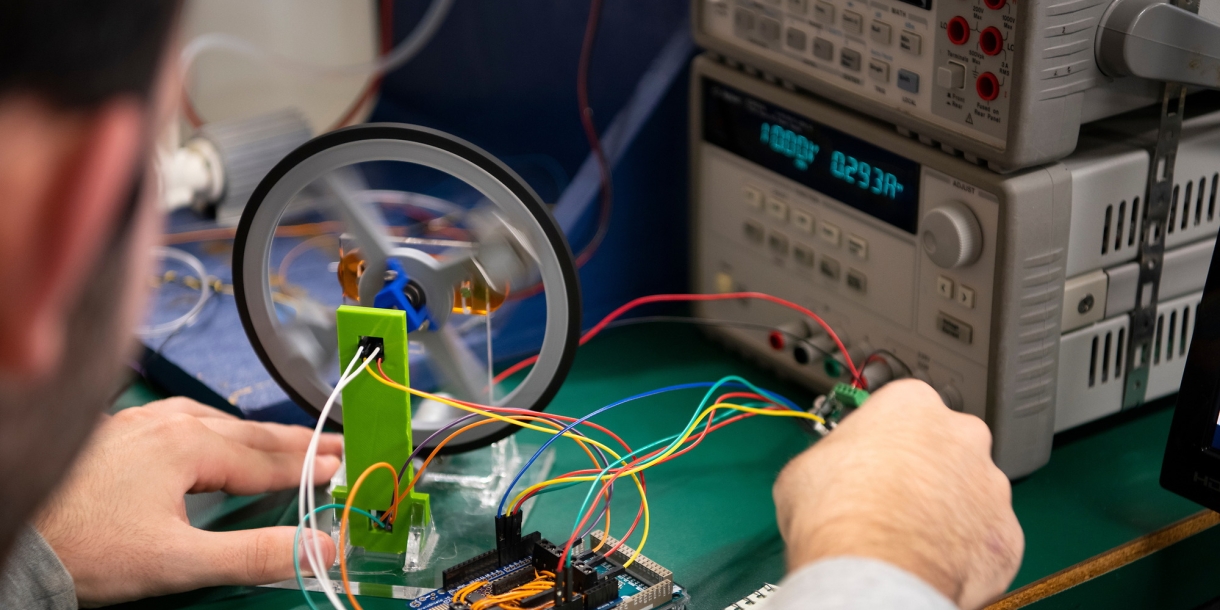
point(951, 235)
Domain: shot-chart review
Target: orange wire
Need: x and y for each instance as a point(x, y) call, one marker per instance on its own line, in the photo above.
point(393, 512)
point(308, 229)
point(347, 512)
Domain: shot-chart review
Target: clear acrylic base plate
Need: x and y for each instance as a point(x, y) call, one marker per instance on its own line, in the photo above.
point(465, 490)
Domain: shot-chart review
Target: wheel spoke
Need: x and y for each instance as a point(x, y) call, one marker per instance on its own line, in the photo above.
point(460, 373)
point(366, 225)
point(311, 333)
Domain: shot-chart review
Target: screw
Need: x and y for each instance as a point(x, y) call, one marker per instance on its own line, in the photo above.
point(1086, 304)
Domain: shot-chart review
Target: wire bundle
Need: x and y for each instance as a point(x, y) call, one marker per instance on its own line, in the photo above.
point(711, 414)
point(724, 402)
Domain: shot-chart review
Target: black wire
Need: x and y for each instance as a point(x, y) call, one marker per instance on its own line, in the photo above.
point(748, 326)
point(712, 322)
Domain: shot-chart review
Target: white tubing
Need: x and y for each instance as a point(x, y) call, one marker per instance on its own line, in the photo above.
point(404, 52)
point(205, 291)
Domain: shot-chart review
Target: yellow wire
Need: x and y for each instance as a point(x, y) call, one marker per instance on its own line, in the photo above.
point(673, 448)
point(579, 439)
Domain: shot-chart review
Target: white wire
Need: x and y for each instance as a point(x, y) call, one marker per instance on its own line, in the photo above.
point(306, 500)
point(205, 291)
point(404, 52)
point(312, 551)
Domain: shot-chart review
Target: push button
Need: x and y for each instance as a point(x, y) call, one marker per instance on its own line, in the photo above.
point(951, 76)
point(955, 328)
point(778, 243)
point(858, 247)
point(796, 39)
point(853, 22)
point(824, 12)
point(829, 233)
point(823, 49)
point(803, 255)
point(910, 42)
point(802, 220)
point(829, 268)
point(857, 281)
point(944, 287)
point(850, 59)
point(799, 7)
point(880, 32)
point(753, 198)
point(879, 70)
point(744, 19)
point(908, 81)
point(754, 232)
point(777, 209)
point(768, 29)
point(965, 297)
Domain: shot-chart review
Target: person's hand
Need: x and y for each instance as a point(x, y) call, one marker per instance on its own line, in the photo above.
point(909, 482)
point(119, 522)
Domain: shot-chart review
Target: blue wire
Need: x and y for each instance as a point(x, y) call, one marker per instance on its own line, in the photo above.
point(717, 419)
point(672, 388)
point(296, 541)
point(673, 440)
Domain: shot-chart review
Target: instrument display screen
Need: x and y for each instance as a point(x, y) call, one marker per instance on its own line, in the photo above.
point(859, 174)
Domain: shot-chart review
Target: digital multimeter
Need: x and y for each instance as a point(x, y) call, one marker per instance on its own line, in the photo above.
point(1007, 83)
point(1009, 294)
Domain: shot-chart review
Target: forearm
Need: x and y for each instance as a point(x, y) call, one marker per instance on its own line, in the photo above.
point(851, 583)
point(33, 577)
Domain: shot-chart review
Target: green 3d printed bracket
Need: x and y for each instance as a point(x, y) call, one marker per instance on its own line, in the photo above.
point(377, 428)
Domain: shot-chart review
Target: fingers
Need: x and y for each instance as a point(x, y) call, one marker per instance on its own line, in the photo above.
point(250, 557)
point(224, 464)
point(187, 406)
point(274, 437)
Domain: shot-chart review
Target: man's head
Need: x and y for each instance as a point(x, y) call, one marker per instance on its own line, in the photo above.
point(83, 87)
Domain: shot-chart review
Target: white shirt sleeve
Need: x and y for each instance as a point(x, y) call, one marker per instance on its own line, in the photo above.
point(855, 583)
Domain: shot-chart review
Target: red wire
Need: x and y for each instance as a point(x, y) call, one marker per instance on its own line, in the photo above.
point(666, 298)
point(708, 429)
point(693, 443)
point(599, 427)
point(696, 440)
point(565, 418)
point(595, 146)
point(586, 121)
point(637, 461)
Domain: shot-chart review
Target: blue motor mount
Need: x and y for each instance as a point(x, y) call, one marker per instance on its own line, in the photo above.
point(401, 293)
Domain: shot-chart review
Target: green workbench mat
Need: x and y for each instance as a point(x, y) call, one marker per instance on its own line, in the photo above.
point(713, 520)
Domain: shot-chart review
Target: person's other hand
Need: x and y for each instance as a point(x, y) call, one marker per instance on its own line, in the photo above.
point(119, 521)
point(909, 482)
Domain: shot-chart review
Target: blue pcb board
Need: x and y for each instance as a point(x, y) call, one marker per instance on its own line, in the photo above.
point(629, 585)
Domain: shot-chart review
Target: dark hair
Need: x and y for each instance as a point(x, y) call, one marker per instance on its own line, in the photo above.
point(80, 53)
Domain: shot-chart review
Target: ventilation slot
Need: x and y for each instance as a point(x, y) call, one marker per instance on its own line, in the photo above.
point(1119, 354)
point(1093, 364)
point(1135, 214)
point(1185, 331)
point(1156, 354)
point(1173, 211)
point(1169, 336)
point(1211, 199)
point(1105, 359)
point(1199, 202)
point(1186, 205)
point(1105, 230)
